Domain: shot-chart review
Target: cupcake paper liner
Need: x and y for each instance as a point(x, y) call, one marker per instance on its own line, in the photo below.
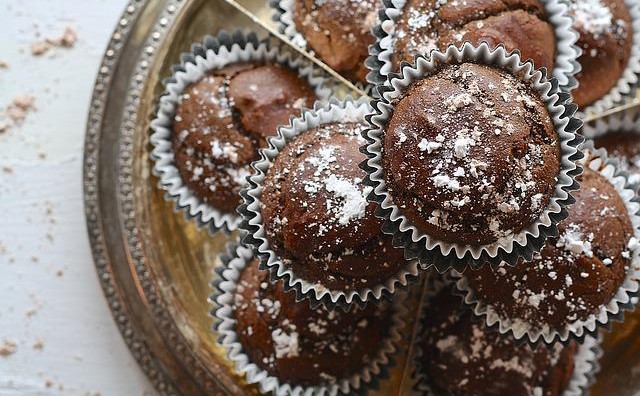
point(567, 52)
point(625, 299)
point(443, 255)
point(348, 110)
point(623, 122)
point(628, 82)
point(283, 15)
point(225, 323)
point(213, 53)
point(586, 359)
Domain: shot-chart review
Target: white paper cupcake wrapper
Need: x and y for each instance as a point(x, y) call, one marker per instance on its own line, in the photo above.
point(334, 111)
point(443, 255)
point(283, 15)
point(625, 298)
point(213, 53)
point(567, 52)
point(628, 82)
point(623, 122)
point(367, 378)
point(586, 359)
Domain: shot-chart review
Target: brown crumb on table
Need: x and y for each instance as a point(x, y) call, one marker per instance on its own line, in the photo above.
point(59, 273)
point(48, 383)
point(67, 40)
point(3, 65)
point(8, 348)
point(7, 169)
point(38, 345)
point(20, 107)
point(4, 127)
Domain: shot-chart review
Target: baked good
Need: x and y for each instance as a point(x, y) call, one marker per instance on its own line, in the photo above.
point(315, 210)
point(606, 35)
point(470, 155)
point(339, 32)
point(221, 121)
point(424, 25)
point(300, 345)
point(460, 358)
point(624, 146)
point(575, 273)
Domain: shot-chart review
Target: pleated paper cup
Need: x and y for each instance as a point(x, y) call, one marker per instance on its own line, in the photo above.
point(566, 65)
point(336, 111)
point(429, 250)
point(625, 299)
point(360, 382)
point(213, 53)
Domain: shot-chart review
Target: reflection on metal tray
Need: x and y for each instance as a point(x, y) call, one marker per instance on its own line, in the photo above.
point(154, 266)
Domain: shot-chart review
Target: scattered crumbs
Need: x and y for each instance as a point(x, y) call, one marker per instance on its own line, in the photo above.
point(48, 383)
point(59, 273)
point(17, 111)
point(6, 169)
point(31, 312)
point(66, 40)
point(3, 65)
point(38, 345)
point(8, 348)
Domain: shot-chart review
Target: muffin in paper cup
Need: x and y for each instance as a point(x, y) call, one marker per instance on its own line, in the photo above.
point(226, 323)
point(566, 66)
point(363, 15)
point(585, 359)
point(584, 250)
point(414, 84)
point(367, 285)
point(212, 54)
point(627, 84)
point(619, 134)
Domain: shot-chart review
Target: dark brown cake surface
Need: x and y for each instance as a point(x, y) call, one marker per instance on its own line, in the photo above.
point(606, 34)
point(316, 214)
point(222, 120)
point(299, 345)
point(576, 273)
point(339, 32)
point(471, 155)
point(435, 24)
point(625, 146)
point(460, 358)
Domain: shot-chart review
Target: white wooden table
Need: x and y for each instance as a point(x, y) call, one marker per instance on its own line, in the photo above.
point(51, 305)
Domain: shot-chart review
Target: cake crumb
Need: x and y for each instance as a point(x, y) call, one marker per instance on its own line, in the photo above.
point(3, 65)
point(20, 107)
point(38, 345)
point(8, 348)
point(66, 40)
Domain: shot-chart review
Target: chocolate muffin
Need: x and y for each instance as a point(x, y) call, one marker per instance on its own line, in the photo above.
point(470, 155)
point(575, 274)
point(299, 345)
point(316, 215)
point(339, 32)
point(625, 146)
point(425, 25)
point(460, 358)
point(605, 39)
point(221, 121)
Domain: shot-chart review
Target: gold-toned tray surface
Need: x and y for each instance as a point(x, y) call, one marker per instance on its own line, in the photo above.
point(155, 267)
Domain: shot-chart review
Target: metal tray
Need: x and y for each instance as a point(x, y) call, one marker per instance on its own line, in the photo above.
point(154, 266)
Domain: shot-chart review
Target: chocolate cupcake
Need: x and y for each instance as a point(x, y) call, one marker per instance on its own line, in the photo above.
point(470, 156)
point(425, 25)
point(578, 275)
point(222, 119)
point(308, 213)
point(337, 31)
point(539, 29)
point(463, 139)
point(458, 357)
point(606, 37)
point(220, 106)
point(300, 345)
point(284, 345)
